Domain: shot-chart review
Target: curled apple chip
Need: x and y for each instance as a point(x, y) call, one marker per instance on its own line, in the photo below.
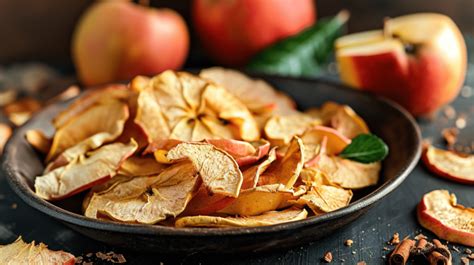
point(279, 130)
point(206, 203)
point(439, 212)
point(449, 164)
point(262, 199)
point(140, 166)
point(99, 124)
point(252, 174)
point(286, 170)
point(38, 140)
point(19, 112)
point(325, 198)
point(344, 119)
point(259, 96)
point(148, 200)
point(220, 172)
point(335, 141)
point(20, 252)
point(185, 107)
point(349, 174)
point(268, 218)
point(91, 97)
point(83, 172)
point(245, 153)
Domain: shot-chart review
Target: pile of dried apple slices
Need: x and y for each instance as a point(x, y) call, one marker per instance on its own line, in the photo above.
point(217, 149)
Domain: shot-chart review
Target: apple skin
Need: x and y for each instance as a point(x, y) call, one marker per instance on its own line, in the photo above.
point(117, 40)
point(442, 231)
point(439, 172)
point(421, 81)
point(233, 31)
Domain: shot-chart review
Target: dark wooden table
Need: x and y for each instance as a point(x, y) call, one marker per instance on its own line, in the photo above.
point(396, 213)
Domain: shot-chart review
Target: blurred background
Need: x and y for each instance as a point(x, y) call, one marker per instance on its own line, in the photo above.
point(41, 30)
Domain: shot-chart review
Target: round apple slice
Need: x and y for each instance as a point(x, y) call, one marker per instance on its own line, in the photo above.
point(439, 212)
point(220, 172)
point(20, 252)
point(84, 172)
point(449, 165)
point(148, 200)
point(268, 218)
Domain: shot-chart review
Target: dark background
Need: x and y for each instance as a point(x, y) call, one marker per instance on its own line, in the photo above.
point(41, 30)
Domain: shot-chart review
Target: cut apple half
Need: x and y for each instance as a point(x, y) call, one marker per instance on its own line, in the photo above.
point(86, 171)
point(418, 60)
point(449, 165)
point(20, 252)
point(268, 218)
point(439, 212)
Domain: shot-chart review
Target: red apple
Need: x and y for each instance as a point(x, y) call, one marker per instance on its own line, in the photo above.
point(439, 213)
point(233, 31)
point(117, 40)
point(417, 60)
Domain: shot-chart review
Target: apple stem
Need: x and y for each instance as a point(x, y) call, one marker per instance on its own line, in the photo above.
point(144, 2)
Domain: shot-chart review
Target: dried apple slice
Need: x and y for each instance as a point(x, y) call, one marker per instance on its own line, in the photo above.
point(5, 134)
point(262, 199)
point(245, 153)
point(20, 252)
point(449, 164)
point(205, 203)
point(252, 174)
point(344, 119)
point(84, 172)
point(349, 174)
point(325, 198)
point(219, 171)
point(148, 200)
point(141, 166)
point(185, 107)
point(439, 212)
point(95, 126)
point(286, 170)
point(38, 140)
point(259, 96)
point(268, 218)
point(336, 142)
point(20, 111)
point(88, 99)
point(279, 130)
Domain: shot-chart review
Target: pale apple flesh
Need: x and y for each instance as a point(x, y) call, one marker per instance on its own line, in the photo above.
point(417, 60)
point(439, 213)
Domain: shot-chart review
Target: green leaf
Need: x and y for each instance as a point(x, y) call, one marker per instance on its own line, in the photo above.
point(365, 148)
point(304, 53)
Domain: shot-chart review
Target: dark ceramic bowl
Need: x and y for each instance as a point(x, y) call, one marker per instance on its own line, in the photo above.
point(387, 120)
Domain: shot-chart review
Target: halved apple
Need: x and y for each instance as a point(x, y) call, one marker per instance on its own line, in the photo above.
point(449, 164)
point(84, 172)
point(439, 212)
point(418, 60)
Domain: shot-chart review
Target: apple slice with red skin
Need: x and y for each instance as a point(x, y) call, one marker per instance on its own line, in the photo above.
point(449, 165)
point(205, 203)
point(336, 142)
point(439, 213)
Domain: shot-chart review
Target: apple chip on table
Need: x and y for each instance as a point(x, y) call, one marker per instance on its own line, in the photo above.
point(215, 150)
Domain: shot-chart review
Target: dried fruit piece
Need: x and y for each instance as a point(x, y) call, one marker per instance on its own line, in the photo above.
point(185, 107)
point(245, 153)
point(38, 140)
point(287, 169)
point(20, 252)
point(268, 218)
point(252, 174)
point(262, 199)
point(344, 119)
point(20, 111)
point(439, 212)
point(148, 200)
point(349, 174)
point(5, 134)
point(279, 130)
point(83, 172)
point(88, 99)
point(206, 203)
point(140, 166)
point(97, 125)
point(220, 173)
point(259, 96)
point(336, 142)
point(139, 83)
point(325, 198)
point(449, 164)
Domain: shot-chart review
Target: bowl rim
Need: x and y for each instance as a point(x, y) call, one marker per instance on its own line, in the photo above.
point(48, 208)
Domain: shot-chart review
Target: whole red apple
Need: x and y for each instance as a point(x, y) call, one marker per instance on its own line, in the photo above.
point(233, 31)
point(117, 40)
